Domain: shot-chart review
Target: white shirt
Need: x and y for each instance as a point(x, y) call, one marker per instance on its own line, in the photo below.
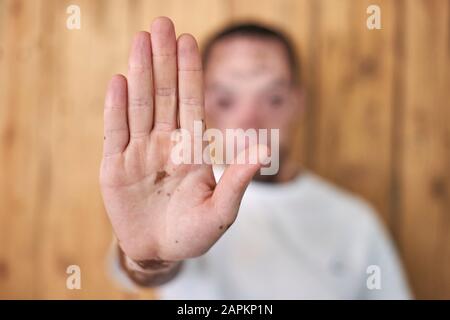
point(304, 239)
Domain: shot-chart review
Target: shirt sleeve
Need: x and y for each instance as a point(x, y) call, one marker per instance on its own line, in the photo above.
point(383, 272)
point(115, 271)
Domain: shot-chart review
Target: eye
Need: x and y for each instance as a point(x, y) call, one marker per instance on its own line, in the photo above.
point(224, 103)
point(276, 101)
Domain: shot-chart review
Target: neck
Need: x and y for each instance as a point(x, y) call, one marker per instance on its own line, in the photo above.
point(289, 169)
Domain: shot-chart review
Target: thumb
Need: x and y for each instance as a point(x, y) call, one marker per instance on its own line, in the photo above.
point(234, 181)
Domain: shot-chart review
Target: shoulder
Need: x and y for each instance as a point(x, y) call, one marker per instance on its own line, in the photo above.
point(329, 217)
point(336, 203)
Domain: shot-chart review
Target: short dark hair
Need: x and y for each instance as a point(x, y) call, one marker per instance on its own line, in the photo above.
point(256, 30)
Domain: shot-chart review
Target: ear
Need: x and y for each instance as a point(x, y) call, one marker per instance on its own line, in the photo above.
point(299, 96)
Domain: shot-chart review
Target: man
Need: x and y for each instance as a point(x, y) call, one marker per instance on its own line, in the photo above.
point(296, 236)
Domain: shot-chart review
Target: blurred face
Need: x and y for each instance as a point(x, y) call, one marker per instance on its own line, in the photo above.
point(249, 85)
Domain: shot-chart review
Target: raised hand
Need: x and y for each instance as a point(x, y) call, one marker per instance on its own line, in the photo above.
point(160, 210)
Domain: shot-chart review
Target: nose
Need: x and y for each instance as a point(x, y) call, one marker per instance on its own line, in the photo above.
point(247, 115)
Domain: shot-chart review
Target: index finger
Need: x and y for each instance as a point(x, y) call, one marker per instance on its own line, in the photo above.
point(190, 82)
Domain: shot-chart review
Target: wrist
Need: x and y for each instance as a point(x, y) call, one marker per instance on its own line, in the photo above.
point(148, 273)
point(144, 266)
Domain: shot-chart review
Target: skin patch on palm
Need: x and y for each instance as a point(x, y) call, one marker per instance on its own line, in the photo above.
point(160, 175)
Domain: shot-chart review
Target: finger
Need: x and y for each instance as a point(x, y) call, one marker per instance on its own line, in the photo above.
point(231, 187)
point(165, 73)
point(140, 86)
point(116, 134)
point(190, 82)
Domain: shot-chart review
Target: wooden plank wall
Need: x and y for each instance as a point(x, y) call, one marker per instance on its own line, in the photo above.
point(377, 124)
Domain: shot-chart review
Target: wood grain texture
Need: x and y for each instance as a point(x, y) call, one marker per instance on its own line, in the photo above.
point(424, 210)
point(377, 124)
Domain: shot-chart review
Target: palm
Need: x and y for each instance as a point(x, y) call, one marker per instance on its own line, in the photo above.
point(158, 192)
point(159, 209)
